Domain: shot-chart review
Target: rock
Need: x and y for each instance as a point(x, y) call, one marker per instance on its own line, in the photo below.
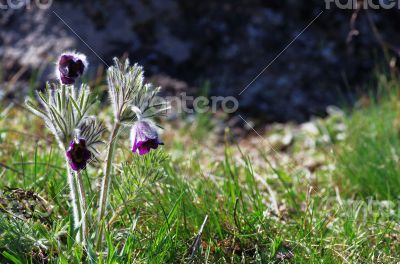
point(226, 42)
point(177, 50)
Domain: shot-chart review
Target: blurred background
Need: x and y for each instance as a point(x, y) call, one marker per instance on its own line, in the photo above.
point(292, 58)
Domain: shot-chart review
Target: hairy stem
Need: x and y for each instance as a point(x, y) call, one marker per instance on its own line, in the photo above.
point(82, 204)
point(105, 186)
point(78, 222)
point(73, 189)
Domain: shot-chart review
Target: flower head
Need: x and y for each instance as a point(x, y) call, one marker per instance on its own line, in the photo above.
point(70, 67)
point(78, 154)
point(144, 137)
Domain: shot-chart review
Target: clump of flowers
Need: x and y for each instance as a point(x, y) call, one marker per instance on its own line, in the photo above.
point(65, 107)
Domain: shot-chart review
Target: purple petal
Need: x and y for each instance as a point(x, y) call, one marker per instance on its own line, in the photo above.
point(135, 146)
point(74, 166)
point(143, 151)
point(144, 137)
point(70, 68)
point(67, 80)
point(78, 155)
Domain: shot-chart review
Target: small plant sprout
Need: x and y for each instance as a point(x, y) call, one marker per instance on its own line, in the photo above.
point(65, 108)
point(65, 111)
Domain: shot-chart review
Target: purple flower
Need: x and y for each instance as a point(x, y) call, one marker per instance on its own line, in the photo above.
point(144, 137)
point(70, 67)
point(78, 154)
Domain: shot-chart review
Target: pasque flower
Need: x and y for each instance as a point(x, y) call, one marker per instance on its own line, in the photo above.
point(78, 154)
point(127, 92)
point(70, 67)
point(144, 137)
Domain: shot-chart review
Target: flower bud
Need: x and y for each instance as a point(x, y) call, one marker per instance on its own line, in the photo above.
point(78, 154)
point(144, 137)
point(70, 67)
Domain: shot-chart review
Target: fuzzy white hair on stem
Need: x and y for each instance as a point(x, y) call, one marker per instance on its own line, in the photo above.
point(131, 100)
point(63, 108)
point(65, 111)
point(128, 93)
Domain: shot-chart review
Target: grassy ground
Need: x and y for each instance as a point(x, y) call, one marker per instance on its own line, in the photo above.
point(322, 192)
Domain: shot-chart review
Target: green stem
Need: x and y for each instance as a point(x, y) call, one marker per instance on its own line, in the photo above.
point(105, 186)
point(83, 204)
point(74, 198)
point(78, 222)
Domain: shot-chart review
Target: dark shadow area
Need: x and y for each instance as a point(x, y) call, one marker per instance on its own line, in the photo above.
point(315, 56)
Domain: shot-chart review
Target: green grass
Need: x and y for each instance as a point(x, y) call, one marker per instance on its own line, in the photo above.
point(369, 158)
point(294, 203)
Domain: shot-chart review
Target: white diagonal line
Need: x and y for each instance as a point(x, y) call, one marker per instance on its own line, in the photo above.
point(252, 128)
point(73, 31)
point(276, 152)
point(280, 53)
